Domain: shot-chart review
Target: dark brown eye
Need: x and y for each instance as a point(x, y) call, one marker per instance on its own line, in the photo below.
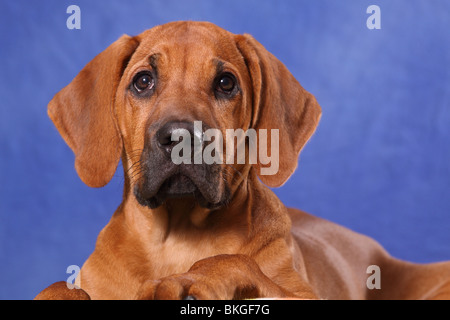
point(143, 81)
point(226, 83)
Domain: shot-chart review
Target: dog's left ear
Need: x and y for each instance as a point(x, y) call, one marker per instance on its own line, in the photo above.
point(279, 102)
point(83, 113)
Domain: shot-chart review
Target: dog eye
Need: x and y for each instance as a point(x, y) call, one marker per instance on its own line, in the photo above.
point(143, 81)
point(226, 83)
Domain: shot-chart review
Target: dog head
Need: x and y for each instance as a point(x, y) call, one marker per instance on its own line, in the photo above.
point(152, 99)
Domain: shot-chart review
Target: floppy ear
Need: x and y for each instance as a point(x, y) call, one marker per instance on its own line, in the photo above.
point(279, 102)
point(83, 113)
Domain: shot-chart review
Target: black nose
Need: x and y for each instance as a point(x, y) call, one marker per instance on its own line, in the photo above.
point(174, 132)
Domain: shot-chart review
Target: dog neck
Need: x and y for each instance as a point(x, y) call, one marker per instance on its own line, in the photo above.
point(185, 216)
point(254, 216)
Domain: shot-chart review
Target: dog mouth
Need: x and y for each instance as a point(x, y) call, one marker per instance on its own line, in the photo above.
point(166, 175)
point(178, 186)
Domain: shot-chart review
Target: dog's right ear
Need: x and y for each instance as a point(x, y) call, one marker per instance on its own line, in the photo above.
point(83, 113)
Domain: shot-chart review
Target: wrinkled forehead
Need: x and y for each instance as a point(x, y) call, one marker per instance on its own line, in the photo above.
point(188, 44)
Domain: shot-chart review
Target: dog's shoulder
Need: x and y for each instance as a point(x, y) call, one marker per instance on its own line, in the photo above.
point(336, 258)
point(306, 226)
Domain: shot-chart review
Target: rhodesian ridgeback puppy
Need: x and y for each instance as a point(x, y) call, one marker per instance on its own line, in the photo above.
point(209, 231)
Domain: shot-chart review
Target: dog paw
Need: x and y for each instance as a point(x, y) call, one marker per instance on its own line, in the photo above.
point(185, 286)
